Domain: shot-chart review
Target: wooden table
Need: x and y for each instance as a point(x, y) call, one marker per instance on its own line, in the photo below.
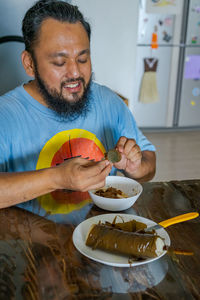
point(38, 259)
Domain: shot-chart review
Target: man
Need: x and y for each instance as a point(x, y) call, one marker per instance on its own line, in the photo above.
point(56, 126)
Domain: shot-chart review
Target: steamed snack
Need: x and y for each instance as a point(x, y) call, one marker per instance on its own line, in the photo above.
point(113, 156)
point(111, 192)
point(117, 241)
point(130, 226)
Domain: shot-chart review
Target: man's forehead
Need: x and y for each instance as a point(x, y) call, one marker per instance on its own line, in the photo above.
point(54, 31)
point(61, 38)
point(56, 25)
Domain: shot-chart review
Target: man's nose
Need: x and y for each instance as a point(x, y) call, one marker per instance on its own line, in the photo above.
point(72, 69)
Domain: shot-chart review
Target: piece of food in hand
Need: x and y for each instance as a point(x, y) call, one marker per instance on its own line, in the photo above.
point(111, 192)
point(113, 156)
point(127, 243)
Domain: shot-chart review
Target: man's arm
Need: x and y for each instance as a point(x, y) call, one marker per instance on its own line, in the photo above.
point(136, 164)
point(75, 174)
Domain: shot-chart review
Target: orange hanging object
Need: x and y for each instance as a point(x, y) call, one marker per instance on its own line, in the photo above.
point(154, 41)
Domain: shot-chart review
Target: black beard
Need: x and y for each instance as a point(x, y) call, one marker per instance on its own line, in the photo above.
point(55, 100)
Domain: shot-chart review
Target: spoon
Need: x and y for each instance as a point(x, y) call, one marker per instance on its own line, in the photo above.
point(171, 221)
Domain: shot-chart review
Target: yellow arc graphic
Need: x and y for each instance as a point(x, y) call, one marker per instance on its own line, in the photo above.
point(47, 154)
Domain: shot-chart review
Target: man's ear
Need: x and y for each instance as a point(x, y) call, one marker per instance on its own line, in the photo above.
point(28, 64)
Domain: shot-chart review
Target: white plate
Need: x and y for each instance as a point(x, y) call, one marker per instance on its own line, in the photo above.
point(81, 231)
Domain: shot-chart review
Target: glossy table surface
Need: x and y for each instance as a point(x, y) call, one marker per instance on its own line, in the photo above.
point(39, 261)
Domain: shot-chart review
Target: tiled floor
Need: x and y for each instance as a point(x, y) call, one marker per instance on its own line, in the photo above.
point(178, 154)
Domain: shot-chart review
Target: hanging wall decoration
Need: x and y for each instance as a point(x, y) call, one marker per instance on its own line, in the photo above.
point(148, 90)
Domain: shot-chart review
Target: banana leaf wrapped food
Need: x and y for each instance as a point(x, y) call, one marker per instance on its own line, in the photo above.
point(113, 156)
point(131, 225)
point(139, 245)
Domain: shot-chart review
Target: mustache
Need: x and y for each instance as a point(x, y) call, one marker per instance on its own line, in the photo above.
point(73, 80)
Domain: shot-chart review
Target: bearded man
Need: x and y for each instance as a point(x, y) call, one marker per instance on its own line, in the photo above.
point(56, 128)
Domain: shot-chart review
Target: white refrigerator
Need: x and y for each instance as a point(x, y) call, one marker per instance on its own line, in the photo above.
point(167, 85)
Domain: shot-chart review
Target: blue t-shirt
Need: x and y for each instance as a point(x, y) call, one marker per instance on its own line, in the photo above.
point(33, 136)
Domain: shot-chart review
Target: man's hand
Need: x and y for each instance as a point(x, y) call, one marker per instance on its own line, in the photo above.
point(81, 174)
point(130, 153)
point(136, 164)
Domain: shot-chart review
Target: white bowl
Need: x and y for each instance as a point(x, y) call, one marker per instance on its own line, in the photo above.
point(129, 186)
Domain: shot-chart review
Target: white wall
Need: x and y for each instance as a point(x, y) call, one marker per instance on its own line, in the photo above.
point(113, 43)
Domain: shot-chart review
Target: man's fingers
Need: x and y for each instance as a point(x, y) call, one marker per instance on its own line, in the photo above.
point(125, 145)
point(134, 153)
point(121, 143)
point(93, 173)
point(98, 181)
point(94, 167)
point(96, 186)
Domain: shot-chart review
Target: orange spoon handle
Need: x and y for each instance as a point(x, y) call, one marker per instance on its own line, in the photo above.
point(179, 219)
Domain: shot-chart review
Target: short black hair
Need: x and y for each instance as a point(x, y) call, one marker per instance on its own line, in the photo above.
point(44, 9)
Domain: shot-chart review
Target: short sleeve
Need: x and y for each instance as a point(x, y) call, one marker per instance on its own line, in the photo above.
point(127, 127)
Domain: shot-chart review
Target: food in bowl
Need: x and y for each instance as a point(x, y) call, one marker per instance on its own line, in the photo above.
point(127, 186)
point(111, 192)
